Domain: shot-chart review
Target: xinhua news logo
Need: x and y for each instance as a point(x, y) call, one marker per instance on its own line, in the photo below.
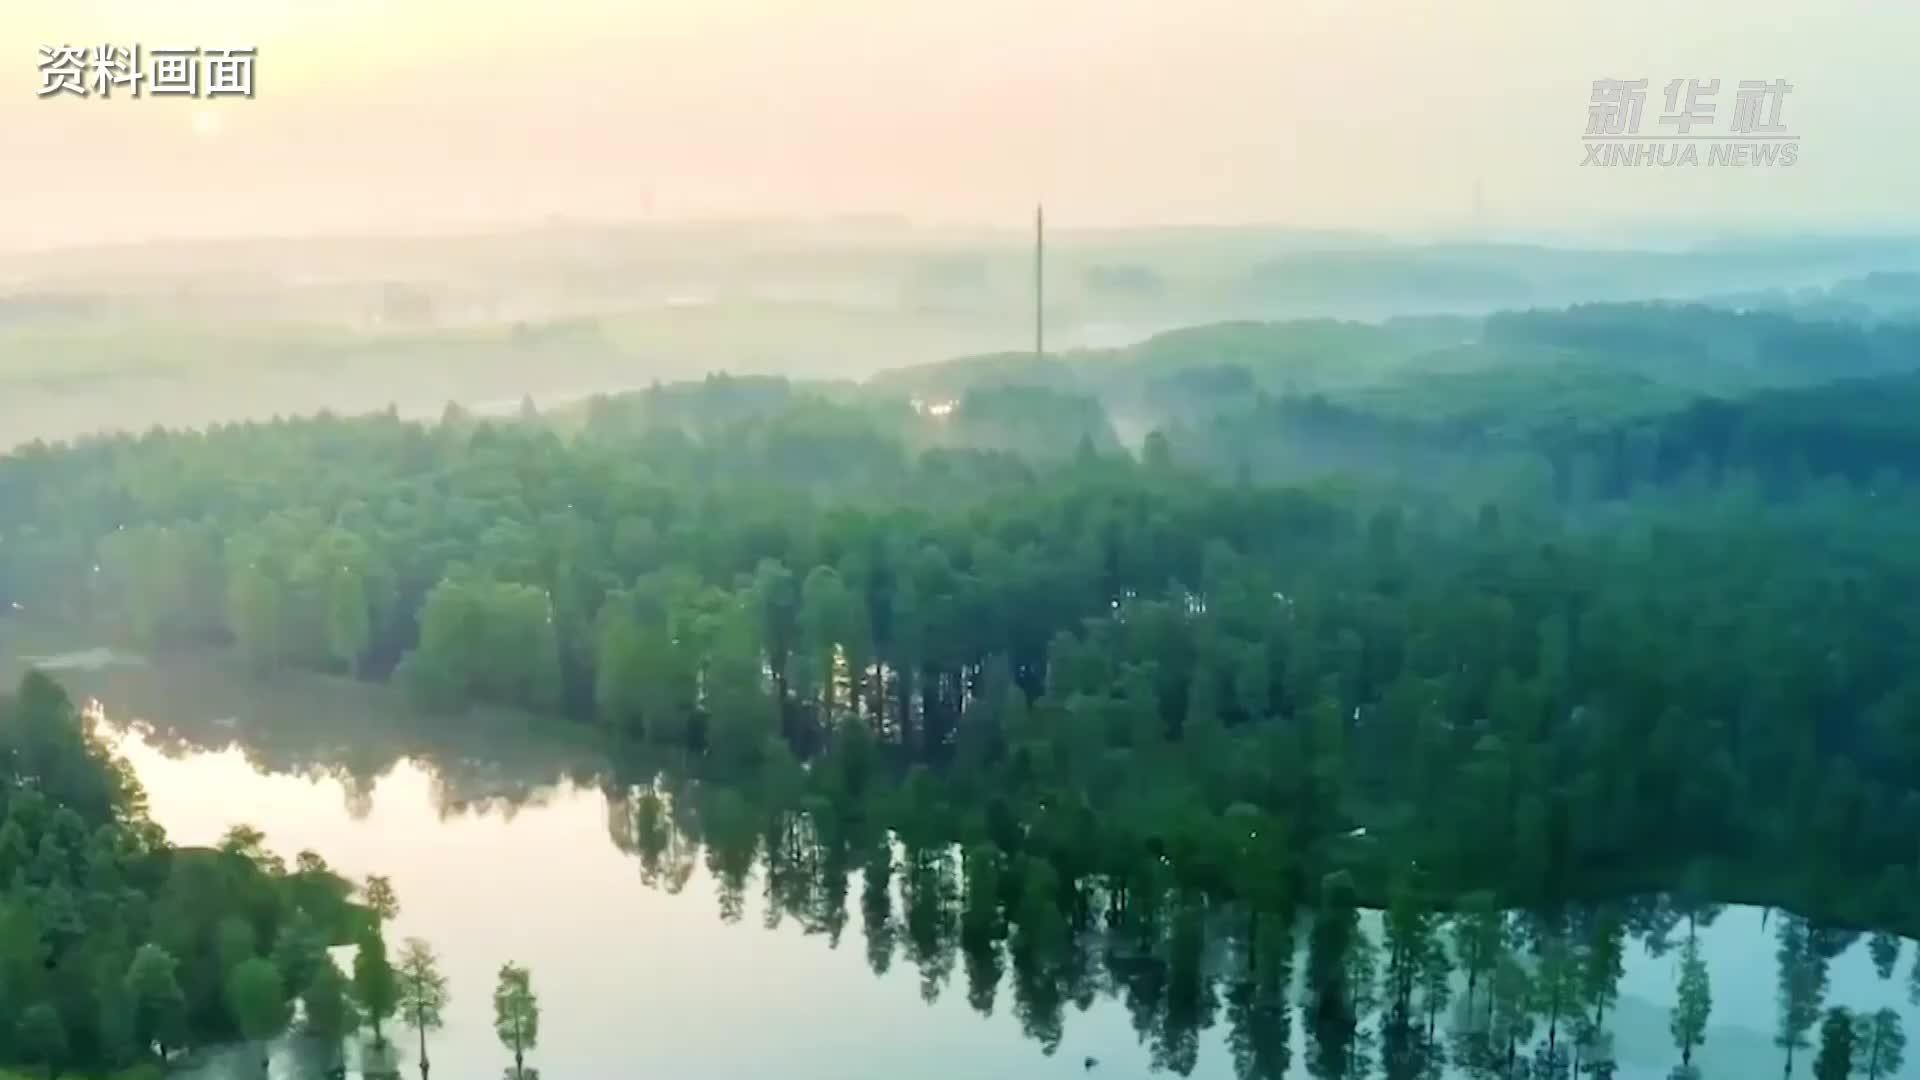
point(102, 71)
point(1753, 136)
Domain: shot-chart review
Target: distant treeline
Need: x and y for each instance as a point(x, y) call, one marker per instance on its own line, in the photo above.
point(1591, 402)
point(1524, 696)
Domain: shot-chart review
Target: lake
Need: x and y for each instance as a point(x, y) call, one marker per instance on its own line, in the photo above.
point(504, 843)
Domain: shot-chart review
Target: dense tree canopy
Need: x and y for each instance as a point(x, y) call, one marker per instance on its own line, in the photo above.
point(1536, 659)
point(116, 947)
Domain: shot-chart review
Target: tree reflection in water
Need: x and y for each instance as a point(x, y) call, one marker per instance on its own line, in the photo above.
point(1350, 977)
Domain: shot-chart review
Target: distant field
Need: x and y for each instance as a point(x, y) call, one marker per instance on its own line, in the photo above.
point(60, 380)
point(78, 349)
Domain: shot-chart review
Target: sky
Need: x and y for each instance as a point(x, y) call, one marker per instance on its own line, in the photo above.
point(428, 115)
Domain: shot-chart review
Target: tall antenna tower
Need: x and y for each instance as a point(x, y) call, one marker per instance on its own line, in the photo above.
point(1039, 281)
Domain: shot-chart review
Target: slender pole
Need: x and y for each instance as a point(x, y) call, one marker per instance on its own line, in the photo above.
point(1039, 281)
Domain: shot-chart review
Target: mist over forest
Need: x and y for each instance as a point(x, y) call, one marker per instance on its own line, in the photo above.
point(192, 332)
point(875, 540)
point(1414, 658)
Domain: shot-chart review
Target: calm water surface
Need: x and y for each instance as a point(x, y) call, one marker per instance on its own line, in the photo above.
point(501, 846)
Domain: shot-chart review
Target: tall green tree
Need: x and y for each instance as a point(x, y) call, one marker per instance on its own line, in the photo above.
point(235, 942)
point(298, 950)
point(423, 993)
point(349, 619)
point(256, 614)
point(257, 1000)
point(375, 985)
point(1203, 727)
point(516, 1015)
point(741, 712)
point(159, 1005)
point(822, 624)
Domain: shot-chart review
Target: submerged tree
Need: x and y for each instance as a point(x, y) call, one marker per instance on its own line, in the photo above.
point(258, 1001)
point(422, 997)
point(1435, 979)
point(516, 1015)
point(380, 898)
point(1339, 979)
point(1884, 947)
point(298, 951)
point(1261, 1028)
point(1479, 937)
point(876, 905)
point(1695, 1005)
point(374, 983)
point(329, 1013)
point(1835, 1059)
point(1556, 983)
point(1880, 1044)
point(1603, 963)
point(1803, 985)
point(1512, 1007)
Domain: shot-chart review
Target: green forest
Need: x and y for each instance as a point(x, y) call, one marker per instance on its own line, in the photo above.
point(120, 952)
point(1451, 618)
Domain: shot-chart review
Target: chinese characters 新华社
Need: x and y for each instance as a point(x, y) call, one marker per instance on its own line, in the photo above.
point(1614, 109)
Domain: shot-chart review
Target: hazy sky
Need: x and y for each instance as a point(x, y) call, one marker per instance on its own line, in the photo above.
point(430, 114)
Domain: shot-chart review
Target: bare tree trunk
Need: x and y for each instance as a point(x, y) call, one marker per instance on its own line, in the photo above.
point(420, 1026)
